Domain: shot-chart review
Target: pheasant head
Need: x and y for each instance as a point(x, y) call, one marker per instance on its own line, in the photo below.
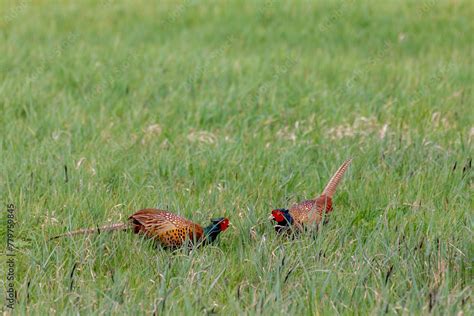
point(217, 226)
point(283, 219)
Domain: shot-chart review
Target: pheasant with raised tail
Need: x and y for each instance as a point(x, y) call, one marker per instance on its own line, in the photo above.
point(309, 212)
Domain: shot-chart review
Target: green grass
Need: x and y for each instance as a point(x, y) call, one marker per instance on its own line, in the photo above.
point(211, 109)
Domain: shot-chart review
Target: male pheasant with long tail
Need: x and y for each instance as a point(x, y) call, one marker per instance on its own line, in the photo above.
point(168, 229)
point(309, 212)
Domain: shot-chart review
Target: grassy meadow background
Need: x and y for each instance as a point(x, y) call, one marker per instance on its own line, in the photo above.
point(211, 108)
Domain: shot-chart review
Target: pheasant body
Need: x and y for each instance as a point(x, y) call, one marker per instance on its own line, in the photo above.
point(311, 211)
point(168, 229)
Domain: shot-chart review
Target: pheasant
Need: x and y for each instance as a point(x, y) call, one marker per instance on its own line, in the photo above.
point(309, 212)
point(168, 229)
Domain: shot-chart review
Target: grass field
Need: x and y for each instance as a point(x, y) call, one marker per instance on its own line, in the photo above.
point(233, 108)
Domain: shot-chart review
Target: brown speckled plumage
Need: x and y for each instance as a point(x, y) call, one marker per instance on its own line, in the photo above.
point(169, 229)
point(310, 211)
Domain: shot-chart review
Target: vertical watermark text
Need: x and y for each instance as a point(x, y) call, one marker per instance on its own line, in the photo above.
point(10, 255)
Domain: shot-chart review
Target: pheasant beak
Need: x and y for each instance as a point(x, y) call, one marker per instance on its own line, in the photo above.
point(271, 217)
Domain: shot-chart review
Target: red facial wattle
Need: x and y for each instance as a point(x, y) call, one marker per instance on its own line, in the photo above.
point(224, 224)
point(278, 216)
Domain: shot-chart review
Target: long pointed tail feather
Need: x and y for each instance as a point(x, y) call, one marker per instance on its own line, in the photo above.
point(86, 231)
point(330, 188)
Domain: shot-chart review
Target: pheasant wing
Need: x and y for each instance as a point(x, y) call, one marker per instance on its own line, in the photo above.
point(311, 211)
point(169, 229)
